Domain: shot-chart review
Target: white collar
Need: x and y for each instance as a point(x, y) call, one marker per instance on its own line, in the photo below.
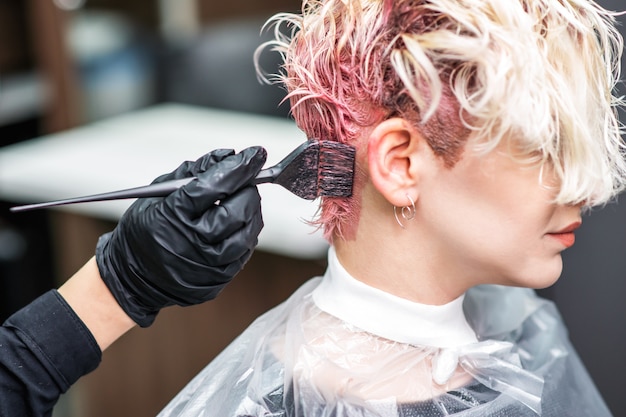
point(389, 316)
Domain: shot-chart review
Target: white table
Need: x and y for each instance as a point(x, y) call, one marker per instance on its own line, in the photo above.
point(131, 150)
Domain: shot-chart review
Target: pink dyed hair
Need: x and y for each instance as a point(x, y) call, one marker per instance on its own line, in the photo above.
point(340, 80)
point(458, 69)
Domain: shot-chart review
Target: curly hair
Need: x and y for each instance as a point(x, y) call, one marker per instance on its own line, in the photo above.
point(464, 72)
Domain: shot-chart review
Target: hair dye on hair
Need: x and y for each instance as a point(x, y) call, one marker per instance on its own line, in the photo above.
point(468, 74)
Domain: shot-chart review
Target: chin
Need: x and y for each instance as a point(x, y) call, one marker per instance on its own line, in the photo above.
point(545, 283)
point(544, 276)
point(541, 275)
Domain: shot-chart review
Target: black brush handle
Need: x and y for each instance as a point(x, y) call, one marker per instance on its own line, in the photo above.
point(160, 189)
point(267, 175)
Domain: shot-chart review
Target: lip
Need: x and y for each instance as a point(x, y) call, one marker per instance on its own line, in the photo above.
point(566, 235)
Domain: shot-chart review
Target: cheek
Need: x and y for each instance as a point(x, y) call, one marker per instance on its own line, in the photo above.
point(494, 239)
point(519, 255)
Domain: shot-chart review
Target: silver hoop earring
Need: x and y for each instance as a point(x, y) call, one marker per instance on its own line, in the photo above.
point(407, 212)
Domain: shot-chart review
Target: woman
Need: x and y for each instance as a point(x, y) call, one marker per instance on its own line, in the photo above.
point(482, 129)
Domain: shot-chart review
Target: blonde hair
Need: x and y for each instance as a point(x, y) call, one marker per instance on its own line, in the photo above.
point(541, 71)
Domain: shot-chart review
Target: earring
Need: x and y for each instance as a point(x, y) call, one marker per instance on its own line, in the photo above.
point(407, 212)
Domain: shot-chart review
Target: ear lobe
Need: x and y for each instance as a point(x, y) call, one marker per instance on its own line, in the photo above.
point(393, 159)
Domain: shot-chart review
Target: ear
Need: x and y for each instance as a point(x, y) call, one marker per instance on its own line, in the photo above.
point(395, 151)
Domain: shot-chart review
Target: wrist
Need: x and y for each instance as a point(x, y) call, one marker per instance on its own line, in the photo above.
point(94, 304)
point(119, 273)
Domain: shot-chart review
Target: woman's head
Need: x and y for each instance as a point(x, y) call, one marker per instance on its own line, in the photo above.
point(468, 75)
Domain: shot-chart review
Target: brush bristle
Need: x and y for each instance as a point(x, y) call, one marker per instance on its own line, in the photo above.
point(316, 169)
point(335, 169)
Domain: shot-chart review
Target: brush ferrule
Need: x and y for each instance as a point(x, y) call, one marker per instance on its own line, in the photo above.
point(267, 175)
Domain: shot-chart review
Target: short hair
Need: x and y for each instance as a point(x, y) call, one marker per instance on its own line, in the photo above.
point(541, 71)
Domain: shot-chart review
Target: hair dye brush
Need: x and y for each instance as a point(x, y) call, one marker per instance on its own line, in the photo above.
point(314, 169)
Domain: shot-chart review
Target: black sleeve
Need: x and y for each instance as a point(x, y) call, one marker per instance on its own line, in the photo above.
point(44, 349)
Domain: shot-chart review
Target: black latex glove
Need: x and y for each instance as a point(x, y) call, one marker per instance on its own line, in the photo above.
point(184, 248)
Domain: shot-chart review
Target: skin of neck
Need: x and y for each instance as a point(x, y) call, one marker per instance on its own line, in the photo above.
point(403, 262)
point(396, 260)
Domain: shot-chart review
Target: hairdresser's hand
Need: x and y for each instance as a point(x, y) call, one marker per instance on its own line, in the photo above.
point(184, 248)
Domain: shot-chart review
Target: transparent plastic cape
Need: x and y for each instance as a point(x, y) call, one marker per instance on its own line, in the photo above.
point(299, 361)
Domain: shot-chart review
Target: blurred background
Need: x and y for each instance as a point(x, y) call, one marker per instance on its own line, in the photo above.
point(71, 63)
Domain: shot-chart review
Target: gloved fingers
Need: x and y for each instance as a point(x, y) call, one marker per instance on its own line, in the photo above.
point(232, 253)
point(199, 283)
point(204, 285)
point(184, 170)
point(217, 183)
point(204, 162)
point(193, 168)
point(235, 250)
point(237, 214)
point(228, 271)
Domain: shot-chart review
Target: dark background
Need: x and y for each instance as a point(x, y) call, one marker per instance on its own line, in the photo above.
point(591, 293)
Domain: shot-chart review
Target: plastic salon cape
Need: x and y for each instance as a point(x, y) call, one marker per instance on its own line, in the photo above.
point(338, 348)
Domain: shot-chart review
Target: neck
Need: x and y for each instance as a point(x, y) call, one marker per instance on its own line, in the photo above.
point(391, 317)
point(401, 262)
